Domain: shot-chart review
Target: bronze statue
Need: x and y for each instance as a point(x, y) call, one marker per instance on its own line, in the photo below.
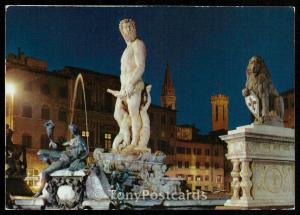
point(73, 158)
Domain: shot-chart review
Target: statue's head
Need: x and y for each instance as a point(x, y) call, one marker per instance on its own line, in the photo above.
point(128, 30)
point(49, 124)
point(73, 129)
point(256, 66)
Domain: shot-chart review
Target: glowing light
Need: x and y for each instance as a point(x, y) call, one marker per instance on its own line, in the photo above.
point(10, 88)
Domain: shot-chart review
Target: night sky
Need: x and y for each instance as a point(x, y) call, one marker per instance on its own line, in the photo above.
point(207, 48)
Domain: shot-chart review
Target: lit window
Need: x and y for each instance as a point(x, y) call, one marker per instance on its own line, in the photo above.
point(199, 178)
point(107, 141)
point(190, 178)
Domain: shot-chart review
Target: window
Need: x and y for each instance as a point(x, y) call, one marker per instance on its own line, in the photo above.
point(26, 140)
point(216, 165)
point(190, 178)
point(198, 187)
point(186, 164)
point(107, 141)
point(32, 178)
point(27, 111)
point(206, 178)
point(62, 115)
point(163, 119)
point(44, 141)
point(188, 151)
point(45, 89)
point(206, 165)
point(206, 188)
point(217, 114)
point(197, 151)
point(223, 112)
point(180, 176)
point(207, 152)
point(216, 152)
point(198, 165)
point(180, 150)
point(63, 92)
point(199, 178)
point(45, 112)
point(28, 86)
point(219, 179)
point(179, 164)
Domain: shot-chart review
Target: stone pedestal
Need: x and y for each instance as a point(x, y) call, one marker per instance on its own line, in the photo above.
point(263, 159)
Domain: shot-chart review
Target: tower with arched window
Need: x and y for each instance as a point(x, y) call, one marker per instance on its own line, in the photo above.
point(219, 105)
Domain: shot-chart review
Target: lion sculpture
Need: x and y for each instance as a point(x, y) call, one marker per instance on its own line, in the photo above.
point(259, 82)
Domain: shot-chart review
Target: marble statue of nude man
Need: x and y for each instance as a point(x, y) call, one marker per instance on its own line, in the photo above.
point(132, 85)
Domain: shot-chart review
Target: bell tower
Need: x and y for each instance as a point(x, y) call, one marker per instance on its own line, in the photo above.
point(219, 105)
point(168, 98)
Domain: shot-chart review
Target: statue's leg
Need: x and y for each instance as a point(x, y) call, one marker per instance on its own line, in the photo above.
point(57, 165)
point(134, 103)
point(119, 112)
point(265, 100)
point(118, 139)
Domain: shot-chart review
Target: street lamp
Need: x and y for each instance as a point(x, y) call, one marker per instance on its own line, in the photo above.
point(10, 90)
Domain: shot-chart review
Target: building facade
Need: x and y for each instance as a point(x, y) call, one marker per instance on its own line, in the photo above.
point(289, 108)
point(198, 160)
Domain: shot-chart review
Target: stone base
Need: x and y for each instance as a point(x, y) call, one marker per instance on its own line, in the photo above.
point(258, 203)
point(96, 204)
point(263, 158)
point(22, 202)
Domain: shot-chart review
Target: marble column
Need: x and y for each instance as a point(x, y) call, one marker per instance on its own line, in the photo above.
point(235, 184)
point(246, 182)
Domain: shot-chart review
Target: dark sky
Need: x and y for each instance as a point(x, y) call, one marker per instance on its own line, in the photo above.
point(208, 48)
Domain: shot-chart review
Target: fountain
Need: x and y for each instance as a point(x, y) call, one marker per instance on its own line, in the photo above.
point(80, 78)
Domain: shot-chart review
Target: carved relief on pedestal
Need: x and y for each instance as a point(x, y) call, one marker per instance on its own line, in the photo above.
point(273, 179)
point(236, 148)
point(246, 182)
